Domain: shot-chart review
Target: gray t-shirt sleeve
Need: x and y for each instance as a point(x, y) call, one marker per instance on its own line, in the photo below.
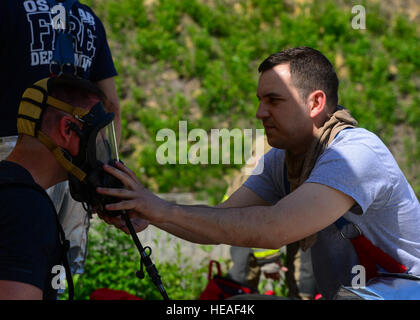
point(356, 170)
point(269, 183)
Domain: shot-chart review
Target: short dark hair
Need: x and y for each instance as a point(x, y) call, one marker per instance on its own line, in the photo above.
point(74, 89)
point(310, 70)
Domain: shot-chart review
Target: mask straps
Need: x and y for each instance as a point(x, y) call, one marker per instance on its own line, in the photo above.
point(59, 155)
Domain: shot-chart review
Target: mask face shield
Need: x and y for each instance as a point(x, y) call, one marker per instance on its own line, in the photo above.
point(106, 150)
point(97, 139)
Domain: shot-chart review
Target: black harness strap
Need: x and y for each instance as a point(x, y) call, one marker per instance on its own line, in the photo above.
point(65, 244)
point(291, 251)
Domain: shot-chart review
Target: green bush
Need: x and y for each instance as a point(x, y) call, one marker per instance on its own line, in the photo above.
point(113, 259)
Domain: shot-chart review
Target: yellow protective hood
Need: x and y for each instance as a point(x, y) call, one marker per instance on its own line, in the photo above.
point(34, 102)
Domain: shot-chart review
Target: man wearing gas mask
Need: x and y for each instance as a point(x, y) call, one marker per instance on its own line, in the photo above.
point(31, 49)
point(64, 134)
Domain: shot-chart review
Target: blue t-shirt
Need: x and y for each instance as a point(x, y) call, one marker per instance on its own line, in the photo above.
point(27, 41)
point(358, 164)
point(29, 242)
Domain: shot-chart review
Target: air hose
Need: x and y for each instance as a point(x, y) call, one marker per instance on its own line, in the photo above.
point(145, 260)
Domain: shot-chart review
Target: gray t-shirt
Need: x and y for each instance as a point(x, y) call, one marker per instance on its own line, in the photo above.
point(388, 213)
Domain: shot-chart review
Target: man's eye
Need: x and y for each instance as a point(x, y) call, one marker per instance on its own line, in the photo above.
point(274, 101)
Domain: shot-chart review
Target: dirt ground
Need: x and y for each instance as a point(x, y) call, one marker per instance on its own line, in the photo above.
point(409, 7)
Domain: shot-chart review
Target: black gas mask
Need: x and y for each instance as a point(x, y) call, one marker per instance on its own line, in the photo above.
point(97, 147)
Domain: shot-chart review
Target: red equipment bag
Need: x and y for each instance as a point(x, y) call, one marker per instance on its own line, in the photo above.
point(220, 288)
point(110, 294)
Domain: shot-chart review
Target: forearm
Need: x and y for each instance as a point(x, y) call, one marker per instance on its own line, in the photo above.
point(309, 209)
point(183, 233)
point(246, 227)
point(197, 237)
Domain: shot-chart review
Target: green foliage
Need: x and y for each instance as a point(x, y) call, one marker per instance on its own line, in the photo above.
point(113, 260)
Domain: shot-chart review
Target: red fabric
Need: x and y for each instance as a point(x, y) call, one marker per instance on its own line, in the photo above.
point(318, 296)
point(110, 294)
point(220, 288)
point(370, 256)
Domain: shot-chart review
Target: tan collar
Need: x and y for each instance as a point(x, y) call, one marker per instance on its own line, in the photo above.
point(300, 167)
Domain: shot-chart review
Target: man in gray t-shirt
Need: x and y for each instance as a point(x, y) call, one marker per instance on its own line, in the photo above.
point(350, 174)
point(387, 212)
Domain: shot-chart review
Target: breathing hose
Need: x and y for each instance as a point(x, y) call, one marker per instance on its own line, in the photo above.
point(145, 259)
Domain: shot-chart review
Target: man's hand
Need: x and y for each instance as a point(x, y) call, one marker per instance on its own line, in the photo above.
point(272, 270)
point(138, 223)
point(137, 200)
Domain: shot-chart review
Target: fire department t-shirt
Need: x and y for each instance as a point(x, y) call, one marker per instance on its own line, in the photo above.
point(27, 41)
point(358, 164)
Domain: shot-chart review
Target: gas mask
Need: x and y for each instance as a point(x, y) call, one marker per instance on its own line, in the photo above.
point(97, 147)
point(97, 144)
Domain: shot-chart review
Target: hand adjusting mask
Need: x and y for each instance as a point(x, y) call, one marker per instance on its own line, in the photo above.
point(97, 144)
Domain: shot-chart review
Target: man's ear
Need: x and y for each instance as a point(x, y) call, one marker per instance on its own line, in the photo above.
point(65, 131)
point(67, 138)
point(317, 103)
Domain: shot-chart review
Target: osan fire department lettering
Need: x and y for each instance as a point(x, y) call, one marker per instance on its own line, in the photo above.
point(82, 26)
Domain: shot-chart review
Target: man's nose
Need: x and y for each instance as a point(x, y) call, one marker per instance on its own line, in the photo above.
point(262, 111)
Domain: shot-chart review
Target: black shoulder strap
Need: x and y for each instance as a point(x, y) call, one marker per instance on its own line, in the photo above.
point(65, 244)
